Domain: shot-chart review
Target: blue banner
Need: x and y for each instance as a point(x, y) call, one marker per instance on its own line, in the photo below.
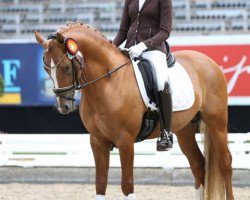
point(26, 83)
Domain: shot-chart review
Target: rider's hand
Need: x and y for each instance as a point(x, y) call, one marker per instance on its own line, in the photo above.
point(136, 51)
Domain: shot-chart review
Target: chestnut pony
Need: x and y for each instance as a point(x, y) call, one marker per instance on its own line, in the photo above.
point(111, 108)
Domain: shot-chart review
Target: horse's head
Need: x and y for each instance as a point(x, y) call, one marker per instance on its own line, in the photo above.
point(62, 64)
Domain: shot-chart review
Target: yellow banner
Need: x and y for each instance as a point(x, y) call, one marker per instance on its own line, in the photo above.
point(11, 98)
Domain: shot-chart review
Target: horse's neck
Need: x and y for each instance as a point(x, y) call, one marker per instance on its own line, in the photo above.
point(99, 57)
point(97, 54)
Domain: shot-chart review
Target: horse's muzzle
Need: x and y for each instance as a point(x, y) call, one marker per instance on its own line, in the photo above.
point(66, 108)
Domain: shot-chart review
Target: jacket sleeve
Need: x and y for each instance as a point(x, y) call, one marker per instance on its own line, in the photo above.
point(121, 36)
point(165, 25)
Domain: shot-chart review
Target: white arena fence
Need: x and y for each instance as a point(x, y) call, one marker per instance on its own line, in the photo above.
point(73, 150)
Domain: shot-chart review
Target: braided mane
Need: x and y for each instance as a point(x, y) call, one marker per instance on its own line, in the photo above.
point(71, 25)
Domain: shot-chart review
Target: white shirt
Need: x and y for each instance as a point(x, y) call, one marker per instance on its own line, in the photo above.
point(141, 2)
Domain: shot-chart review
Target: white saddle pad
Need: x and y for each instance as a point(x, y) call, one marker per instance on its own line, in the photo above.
point(181, 87)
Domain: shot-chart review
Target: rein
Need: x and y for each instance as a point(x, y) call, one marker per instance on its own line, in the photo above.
point(79, 87)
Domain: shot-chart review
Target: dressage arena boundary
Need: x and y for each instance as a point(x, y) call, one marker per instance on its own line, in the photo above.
point(73, 150)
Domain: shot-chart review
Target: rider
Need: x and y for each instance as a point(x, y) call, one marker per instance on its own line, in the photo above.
point(146, 25)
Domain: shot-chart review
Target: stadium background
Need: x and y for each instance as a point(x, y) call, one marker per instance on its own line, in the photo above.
point(28, 104)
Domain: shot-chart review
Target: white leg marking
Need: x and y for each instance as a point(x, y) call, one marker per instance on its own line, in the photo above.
point(100, 197)
point(130, 197)
point(199, 193)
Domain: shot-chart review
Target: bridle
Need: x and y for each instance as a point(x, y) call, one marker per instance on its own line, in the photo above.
point(60, 92)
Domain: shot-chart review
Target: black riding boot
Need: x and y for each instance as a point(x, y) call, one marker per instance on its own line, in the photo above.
point(165, 142)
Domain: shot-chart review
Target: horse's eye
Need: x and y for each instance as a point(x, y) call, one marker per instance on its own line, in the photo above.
point(66, 69)
point(50, 49)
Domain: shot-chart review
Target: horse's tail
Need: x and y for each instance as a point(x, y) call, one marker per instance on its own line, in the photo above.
point(214, 182)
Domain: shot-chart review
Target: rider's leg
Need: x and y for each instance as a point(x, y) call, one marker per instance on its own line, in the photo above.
point(158, 59)
point(165, 141)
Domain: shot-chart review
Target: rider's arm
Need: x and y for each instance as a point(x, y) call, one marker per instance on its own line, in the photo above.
point(121, 36)
point(165, 25)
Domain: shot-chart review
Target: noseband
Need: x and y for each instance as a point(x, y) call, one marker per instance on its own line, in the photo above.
point(60, 92)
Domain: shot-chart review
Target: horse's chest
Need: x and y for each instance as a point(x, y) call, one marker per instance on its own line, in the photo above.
point(96, 121)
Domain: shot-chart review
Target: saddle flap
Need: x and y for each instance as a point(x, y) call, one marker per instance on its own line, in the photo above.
point(149, 77)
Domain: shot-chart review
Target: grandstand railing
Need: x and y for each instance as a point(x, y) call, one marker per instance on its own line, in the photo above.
point(73, 150)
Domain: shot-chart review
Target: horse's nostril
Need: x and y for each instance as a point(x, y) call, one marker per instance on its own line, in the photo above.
point(66, 107)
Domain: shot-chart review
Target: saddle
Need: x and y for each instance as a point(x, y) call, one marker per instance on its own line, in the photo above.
point(151, 116)
point(170, 57)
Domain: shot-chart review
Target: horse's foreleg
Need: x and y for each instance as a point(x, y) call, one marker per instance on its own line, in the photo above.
point(101, 150)
point(126, 149)
point(189, 146)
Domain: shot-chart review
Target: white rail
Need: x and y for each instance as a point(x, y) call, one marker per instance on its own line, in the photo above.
point(73, 150)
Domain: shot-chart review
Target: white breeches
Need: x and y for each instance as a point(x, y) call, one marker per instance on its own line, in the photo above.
point(159, 62)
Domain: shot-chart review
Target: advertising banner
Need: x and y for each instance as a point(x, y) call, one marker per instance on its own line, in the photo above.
point(27, 84)
point(24, 80)
point(234, 61)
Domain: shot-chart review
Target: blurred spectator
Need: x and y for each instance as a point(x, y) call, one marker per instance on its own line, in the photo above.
point(1, 85)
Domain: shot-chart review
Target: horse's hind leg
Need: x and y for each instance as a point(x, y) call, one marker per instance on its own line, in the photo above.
point(216, 128)
point(189, 146)
point(101, 151)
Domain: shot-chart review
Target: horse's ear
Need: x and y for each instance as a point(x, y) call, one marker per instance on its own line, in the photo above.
point(60, 38)
point(39, 38)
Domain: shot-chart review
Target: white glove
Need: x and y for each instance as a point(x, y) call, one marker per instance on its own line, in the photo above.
point(136, 51)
